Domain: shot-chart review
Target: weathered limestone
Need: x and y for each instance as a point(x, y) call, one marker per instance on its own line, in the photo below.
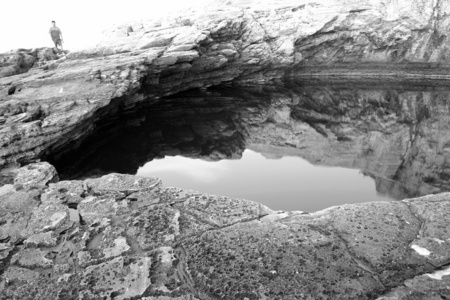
point(188, 245)
point(244, 42)
point(139, 239)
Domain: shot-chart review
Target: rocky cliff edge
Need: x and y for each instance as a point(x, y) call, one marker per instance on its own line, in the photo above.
point(239, 42)
point(197, 246)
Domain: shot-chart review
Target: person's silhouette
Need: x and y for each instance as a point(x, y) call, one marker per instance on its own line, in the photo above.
point(56, 35)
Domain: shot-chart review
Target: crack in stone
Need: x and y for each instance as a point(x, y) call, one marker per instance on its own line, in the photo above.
point(183, 275)
point(360, 262)
point(366, 266)
point(6, 261)
point(38, 205)
point(419, 232)
point(196, 218)
point(436, 14)
point(261, 26)
point(403, 285)
point(217, 228)
point(440, 268)
point(241, 27)
point(182, 272)
point(180, 200)
point(422, 221)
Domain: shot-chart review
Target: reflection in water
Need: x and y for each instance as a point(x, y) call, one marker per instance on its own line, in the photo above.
point(289, 183)
point(398, 135)
point(189, 170)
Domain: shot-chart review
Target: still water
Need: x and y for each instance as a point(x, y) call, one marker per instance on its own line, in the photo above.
point(288, 183)
point(294, 147)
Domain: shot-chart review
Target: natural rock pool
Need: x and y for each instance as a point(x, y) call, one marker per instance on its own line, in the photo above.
point(178, 88)
point(282, 183)
point(295, 146)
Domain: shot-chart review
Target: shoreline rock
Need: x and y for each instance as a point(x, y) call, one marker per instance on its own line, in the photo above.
point(239, 43)
point(197, 246)
point(137, 238)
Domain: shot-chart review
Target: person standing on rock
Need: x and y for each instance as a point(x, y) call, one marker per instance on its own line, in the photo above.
point(56, 35)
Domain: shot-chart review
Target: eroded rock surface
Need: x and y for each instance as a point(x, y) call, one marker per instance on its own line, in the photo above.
point(243, 42)
point(137, 239)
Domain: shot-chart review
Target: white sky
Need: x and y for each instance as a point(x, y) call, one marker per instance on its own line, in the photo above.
point(25, 24)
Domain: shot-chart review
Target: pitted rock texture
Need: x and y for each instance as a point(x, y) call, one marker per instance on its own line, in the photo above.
point(138, 239)
point(177, 244)
point(239, 42)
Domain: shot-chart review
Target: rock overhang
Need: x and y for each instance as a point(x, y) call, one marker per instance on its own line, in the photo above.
point(245, 46)
point(251, 43)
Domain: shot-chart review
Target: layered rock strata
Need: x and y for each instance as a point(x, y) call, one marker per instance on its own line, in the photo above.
point(240, 42)
point(136, 239)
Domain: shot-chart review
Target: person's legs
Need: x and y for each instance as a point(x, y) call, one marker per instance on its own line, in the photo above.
point(56, 44)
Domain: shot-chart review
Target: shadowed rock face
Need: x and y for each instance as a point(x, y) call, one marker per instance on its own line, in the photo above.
point(138, 239)
point(239, 42)
point(396, 134)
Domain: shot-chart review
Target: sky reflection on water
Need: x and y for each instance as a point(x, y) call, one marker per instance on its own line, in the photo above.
point(289, 183)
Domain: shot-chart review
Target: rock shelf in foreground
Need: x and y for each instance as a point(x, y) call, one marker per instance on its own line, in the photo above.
point(137, 239)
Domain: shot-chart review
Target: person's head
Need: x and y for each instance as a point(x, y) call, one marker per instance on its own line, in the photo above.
point(53, 23)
